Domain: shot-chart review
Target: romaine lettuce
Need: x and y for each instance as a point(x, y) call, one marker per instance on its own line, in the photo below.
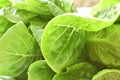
point(49, 40)
point(104, 46)
point(18, 50)
point(107, 74)
point(39, 70)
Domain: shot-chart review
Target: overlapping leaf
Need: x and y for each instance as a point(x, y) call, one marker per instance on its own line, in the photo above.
point(17, 15)
point(39, 70)
point(18, 50)
point(103, 46)
point(4, 24)
point(103, 4)
point(107, 74)
point(80, 71)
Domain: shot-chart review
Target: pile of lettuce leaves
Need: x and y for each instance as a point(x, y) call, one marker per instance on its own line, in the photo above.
point(50, 40)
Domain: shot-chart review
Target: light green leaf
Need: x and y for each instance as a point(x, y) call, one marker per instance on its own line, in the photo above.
point(46, 7)
point(66, 5)
point(114, 12)
point(104, 46)
point(15, 15)
point(4, 25)
point(63, 37)
point(80, 71)
point(6, 78)
point(37, 26)
point(103, 4)
point(35, 6)
point(5, 3)
point(18, 50)
point(55, 9)
point(62, 41)
point(39, 70)
point(107, 74)
point(58, 7)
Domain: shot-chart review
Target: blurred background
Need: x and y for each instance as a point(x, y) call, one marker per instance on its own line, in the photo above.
point(85, 3)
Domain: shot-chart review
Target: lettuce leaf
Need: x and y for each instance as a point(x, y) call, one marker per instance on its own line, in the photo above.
point(68, 39)
point(46, 8)
point(79, 71)
point(18, 50)
point(58, 7)
point(107, 74)
point(103, 46)
point(17, 15)
point(5, 3)
point(103, 4)
point(37, 26)
point(4, 23)
point(39, 70)
point(35, 6)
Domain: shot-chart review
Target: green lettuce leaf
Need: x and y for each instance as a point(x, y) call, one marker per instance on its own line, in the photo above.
point(18, 50)
point(103, 4)
point(39, 70)
point(23, 76)
point(80, 71)
point(49, 8)
point(5, 3)
point(4, 23)
point(55, 9)
point(107, 74)
point(16, 15)
point(65, 5)
point(104, 46)
point(36, 6)
point(58, 7)
point(68, 31)
point(37, 26)
point(61, 42)
point(110, 12)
